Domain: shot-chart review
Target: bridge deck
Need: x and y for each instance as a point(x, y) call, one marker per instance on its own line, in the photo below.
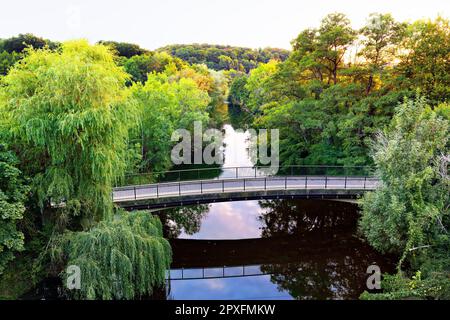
point(220, 186)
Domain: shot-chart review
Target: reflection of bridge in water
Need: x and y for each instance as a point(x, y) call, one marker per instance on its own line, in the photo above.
point(213, 259)
point(214, 272)
point(244, 183)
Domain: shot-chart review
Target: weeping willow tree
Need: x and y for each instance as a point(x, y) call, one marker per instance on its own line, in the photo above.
point(67, 113)
point(12, 198)
point(123, 258)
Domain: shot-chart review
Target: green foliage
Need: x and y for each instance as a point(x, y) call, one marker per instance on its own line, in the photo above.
point(340, 86)
point(17, 278)
point(12, 197)
point(22, 41)
point(404, 211)
point(124, 258)
point(187, 219)
point(225, 57)
point(124, 49)
point(409, 213)
point(7, 60)
point(399, 286)
point(67, 114)
point(382, 35)
point(321, 52)
point(255, 84)
point(239, 95)
point(426, 65)
point(138, 66)
point(165, 103)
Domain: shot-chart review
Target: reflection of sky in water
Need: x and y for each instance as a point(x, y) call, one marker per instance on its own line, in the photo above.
point(254, 287)
point(229, 220)
point(236, 144)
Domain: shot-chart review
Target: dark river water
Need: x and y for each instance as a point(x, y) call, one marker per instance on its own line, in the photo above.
point(270, 249)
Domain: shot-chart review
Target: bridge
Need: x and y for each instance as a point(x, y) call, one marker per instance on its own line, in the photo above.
point(196, 186)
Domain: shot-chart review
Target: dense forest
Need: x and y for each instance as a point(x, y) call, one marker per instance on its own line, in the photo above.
point(225, 57)
point(75, 118)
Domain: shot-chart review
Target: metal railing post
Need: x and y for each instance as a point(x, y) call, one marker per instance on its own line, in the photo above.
point(326, 182)
point(365, 179)
point(223, 186)
point(265, 183)
point(179, 175)
point(244, 184)
point(201, 186)
point(306, 182)
point(179, 188)
point(285, 183)
point(157, 190)
point(236, 172)
point(255, 172)
point(134, 192)
point(345, 183)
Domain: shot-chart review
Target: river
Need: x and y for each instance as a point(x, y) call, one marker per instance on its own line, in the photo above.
point(271, 249)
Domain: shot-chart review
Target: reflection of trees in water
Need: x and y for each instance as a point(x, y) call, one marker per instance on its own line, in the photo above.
point(338, 273)
point(297, 217)
point(188, 218)
point(330, 262)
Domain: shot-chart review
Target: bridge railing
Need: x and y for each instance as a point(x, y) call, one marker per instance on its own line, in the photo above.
point(250, 184)
point(242, 172)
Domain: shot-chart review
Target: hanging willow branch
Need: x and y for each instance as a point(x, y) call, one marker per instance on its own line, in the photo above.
point(68, 113)
point(121, 259)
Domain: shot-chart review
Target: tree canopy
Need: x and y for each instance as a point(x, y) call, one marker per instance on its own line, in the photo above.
point(12, 198)
point(220, 57)
point(67, 114)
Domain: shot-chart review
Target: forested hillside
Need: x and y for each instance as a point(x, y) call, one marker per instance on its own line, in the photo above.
point(220, 57)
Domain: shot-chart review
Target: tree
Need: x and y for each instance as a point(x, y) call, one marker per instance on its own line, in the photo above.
point(22, 41)
point(258, 94)
point(124, 49)
point(67, 115)
point(407, 210)
point(12, 197)
point(219, 57)
point(381, 35)
point(409, 213)
point(125, 258)
point(7, 60)
point(238, 94)
point(426, 63)
point(138, 66)
point(166, 104)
